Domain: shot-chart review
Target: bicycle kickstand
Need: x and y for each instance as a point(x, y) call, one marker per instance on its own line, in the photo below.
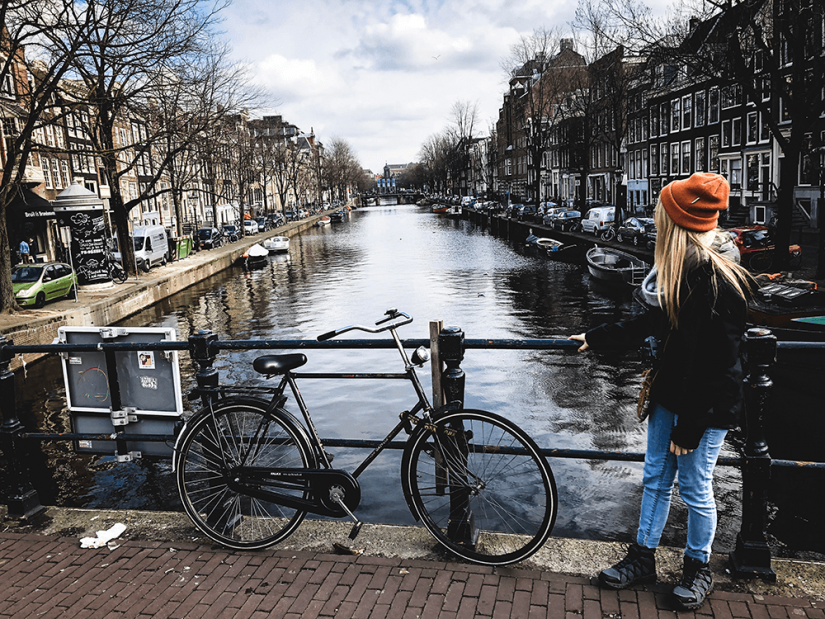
point(336, 495)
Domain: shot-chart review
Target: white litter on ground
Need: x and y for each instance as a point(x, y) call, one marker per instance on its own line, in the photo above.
point(103, 536)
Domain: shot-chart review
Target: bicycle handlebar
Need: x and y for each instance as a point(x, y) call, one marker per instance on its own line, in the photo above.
point(391, 315)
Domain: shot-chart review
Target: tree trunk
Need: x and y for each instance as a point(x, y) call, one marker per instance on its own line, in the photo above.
point(787, 182)
point(7, 302)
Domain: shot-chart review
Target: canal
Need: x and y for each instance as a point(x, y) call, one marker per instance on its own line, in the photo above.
point(433, 268)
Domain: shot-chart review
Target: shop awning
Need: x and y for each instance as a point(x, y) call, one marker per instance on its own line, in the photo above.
point(29, 206)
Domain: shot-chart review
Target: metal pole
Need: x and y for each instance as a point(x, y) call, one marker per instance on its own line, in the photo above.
point(752, 556)
point(22, 500)
point(461, 526)
point(202, 352)
point(436, 367)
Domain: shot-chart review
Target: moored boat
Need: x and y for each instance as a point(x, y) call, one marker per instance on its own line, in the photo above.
point(337, 217)
point(255, 255)
point(441, 208)
point(617, 267)
point(324, 221)
point(454, 211)
point(277, 244)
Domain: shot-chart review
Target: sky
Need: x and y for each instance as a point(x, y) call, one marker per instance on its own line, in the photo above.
point(383, 74)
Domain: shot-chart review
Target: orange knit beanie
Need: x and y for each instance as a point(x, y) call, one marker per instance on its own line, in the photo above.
point(694, 203)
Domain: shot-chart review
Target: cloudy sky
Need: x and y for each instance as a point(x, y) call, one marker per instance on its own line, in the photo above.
point(383, 74)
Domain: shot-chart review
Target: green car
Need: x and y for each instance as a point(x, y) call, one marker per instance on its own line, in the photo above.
point(34, 284)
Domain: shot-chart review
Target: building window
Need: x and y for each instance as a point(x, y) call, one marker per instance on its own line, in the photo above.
point(64, 171)
point(699, 109)
point(726, 134)
point(56, 174)
point(759, 214)
point(674, 115)
point(654, 159)
point(764, 129)
point(664, 118)
point(735, 173)
point(47, 173)
point(654, 121)
point(737, 132)
point(687, 111)
point(713, 105)
point(753, 172)
point(664, 158)
point(674, 158)
point(685, 157)
point(752, 128)
point(643, 172)
point(713, 153)
point(700, 155)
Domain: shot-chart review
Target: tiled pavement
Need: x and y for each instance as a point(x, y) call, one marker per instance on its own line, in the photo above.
point(47, 576)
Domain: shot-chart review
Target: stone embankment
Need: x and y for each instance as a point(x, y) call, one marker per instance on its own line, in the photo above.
point(106, 307)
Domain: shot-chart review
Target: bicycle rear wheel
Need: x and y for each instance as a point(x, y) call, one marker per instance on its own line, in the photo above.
point(241, 434)
point(477, 467)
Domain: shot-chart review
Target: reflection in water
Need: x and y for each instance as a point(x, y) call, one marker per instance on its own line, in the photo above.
point(432, 268)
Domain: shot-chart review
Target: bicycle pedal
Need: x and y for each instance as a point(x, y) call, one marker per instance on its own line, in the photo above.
point(356, 529)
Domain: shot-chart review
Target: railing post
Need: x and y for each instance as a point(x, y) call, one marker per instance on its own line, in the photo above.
point(22, 499)
point(451, 350)
point(752, 556)
point(461, 526)
point(202, 353)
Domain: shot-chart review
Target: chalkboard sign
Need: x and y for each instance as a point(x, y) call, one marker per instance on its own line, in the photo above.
point(88, 245)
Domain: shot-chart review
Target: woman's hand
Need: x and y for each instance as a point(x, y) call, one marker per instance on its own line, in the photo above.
point(679, 451)
point(580, 338)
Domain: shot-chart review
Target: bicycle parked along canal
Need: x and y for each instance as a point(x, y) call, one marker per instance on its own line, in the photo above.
point(248, 471)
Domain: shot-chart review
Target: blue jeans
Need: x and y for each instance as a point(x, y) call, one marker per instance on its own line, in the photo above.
point(695, 485)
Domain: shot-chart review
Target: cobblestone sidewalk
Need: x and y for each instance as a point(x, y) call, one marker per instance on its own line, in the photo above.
point(46, 576)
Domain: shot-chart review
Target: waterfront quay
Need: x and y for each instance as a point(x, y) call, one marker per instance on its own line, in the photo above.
point(398, 574)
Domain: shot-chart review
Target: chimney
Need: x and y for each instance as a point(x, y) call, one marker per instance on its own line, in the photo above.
point(567, 44)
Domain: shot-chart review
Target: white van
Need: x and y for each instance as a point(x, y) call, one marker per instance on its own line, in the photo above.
point(151, 246)
point(598, 219)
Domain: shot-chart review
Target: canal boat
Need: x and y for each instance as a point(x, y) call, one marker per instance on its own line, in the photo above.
point(441, 208)
point(277, 244)
point(616, 267)
point(255, 255)
point(454, 211)
point(337, 217)
point(323, 221)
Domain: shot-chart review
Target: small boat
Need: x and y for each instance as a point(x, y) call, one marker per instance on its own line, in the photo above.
point(441, 208)
point(255, 255)
point(454, 211)
point(324, 221)
point(337, 217)
point(277, 244)
point(617, 267)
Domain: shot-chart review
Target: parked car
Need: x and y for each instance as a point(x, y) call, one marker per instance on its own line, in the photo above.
point(567, 221)
point(511, 209)
point(756, 247)
point(209, 238)
point(276, 220)
point(250, 226)
point(634, 230)
point(34, 284)
point(230, 233)
point(551, 213)
point(263, 224)
point(526, 213)
point(598, 219)
point(290, 215)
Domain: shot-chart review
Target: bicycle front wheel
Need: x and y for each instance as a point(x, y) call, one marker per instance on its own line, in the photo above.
point(481, 487)
point(242, 433)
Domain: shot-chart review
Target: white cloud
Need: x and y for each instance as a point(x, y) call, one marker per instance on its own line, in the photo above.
point(383, 75)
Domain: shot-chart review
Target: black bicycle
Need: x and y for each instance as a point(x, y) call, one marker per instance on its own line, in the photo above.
point(248, 471)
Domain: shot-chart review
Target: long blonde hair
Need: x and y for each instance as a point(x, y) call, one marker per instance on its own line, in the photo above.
point(677, 251)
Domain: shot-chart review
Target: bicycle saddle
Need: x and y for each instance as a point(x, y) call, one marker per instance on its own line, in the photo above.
point(278, 364)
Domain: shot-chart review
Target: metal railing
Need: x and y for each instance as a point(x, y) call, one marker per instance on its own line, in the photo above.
point(751, 557)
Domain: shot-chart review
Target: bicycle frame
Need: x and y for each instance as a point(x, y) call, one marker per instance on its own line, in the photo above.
point(423, 404)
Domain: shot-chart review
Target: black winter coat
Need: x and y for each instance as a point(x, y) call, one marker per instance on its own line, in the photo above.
point(699, 375)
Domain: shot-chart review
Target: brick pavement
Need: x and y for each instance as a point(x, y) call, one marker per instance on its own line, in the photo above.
point(47, 576)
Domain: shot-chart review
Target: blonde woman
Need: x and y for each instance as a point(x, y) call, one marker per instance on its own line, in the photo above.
point(696, 293)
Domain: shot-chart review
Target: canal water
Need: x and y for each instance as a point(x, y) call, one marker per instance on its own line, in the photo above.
point(432, 268)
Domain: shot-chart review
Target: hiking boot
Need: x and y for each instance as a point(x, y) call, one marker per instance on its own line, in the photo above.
point(696, 584)
point(639, 566)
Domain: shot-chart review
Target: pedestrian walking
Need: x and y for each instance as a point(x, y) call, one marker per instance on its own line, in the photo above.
point(696, 298)
point(24, 250)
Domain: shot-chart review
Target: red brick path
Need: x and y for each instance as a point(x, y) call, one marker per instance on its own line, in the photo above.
point(46, 576)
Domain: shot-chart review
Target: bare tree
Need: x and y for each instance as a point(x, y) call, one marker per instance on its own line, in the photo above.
point(27, 26)
point(124, 66)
